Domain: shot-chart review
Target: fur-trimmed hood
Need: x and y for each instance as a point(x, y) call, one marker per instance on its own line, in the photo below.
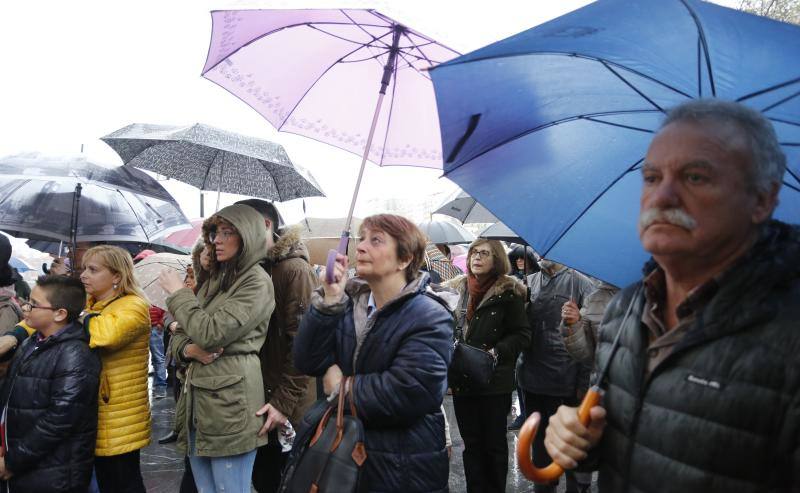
point(289, 245)
point(504, 283)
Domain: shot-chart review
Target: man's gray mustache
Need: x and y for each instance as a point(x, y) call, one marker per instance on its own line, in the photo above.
point(678, 217)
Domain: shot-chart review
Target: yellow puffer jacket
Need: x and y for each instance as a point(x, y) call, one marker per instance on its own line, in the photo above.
point(120, 330)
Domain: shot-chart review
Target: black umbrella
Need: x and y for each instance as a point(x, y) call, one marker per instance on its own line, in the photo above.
point(70, 200)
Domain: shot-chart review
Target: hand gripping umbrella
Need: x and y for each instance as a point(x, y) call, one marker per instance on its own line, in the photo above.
point(347, 53)
point(591, 399)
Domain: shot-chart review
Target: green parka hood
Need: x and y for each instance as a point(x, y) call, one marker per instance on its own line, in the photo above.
point(250, 225)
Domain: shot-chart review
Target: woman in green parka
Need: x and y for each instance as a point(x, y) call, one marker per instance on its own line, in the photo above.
point(491, 316)
point(220, 333)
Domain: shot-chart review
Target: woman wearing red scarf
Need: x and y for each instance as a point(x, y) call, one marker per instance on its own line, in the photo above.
point(491, 314)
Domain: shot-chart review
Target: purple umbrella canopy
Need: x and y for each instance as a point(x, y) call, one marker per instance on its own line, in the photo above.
point(325, 73)
point(317, 73)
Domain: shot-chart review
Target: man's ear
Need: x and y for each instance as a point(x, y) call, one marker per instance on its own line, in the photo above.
point(766, 202)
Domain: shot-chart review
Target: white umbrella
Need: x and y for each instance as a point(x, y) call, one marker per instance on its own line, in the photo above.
point(147, 271)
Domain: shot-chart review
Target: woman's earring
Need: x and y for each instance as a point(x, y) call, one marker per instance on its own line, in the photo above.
point(115, 285)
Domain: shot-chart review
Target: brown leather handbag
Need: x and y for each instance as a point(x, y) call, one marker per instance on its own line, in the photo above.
point(331, 460)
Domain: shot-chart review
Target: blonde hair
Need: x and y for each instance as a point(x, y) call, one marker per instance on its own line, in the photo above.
point(119, 262)
point(500, 263)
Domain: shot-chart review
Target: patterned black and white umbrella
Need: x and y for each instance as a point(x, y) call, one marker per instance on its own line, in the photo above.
point(216, 160)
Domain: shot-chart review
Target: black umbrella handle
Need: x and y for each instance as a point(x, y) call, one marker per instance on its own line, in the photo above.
point(330, 277)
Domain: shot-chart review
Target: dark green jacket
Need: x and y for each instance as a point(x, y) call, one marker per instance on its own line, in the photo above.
point(499, 322)
point(722, 412)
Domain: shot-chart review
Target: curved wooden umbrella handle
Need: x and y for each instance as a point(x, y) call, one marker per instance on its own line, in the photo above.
point(528, 432)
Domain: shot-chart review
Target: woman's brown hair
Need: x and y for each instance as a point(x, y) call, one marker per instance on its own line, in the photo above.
point(410, 240)
point(500, 263)
point(228, 270)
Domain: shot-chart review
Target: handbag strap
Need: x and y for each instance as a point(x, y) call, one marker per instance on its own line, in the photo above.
point(344, 389)
point(461, 315)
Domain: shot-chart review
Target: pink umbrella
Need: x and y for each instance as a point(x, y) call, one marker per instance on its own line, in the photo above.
point(460, 261)
point(314, 72)
point(186, 238)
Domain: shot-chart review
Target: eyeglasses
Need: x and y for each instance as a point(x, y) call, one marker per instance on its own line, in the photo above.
point(481, 253)
point(225, 234)
point(28, 306)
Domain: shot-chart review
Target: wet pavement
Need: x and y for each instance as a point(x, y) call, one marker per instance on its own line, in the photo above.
point(162, 466)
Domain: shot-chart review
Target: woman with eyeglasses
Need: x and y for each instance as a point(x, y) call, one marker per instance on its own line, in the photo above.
point(490, 316)
point(118, 320)
point(394, 336)
point(219, 335)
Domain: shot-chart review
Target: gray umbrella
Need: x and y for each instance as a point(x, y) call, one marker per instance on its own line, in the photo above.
point(445, 232)
point(499, 231)
point(466, 209)
point(212, 159)
point(38, 194)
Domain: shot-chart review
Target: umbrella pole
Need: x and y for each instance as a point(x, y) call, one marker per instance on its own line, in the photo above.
point(73, 227)
point(388, 71)
point(219, 182)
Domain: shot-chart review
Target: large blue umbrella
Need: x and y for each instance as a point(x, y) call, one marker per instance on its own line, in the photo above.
point(548, 128)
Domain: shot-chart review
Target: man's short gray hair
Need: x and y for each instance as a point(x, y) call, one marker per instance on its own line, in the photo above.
point(769, 161)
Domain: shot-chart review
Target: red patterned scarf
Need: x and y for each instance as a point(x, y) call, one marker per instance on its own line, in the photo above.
point(477, 290)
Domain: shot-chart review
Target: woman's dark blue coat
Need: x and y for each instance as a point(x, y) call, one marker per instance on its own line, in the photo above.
point(401, 379)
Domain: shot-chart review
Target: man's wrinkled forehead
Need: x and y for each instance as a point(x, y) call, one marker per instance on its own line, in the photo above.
point(706, 143)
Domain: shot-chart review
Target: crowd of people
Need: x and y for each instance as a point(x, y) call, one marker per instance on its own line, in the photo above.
point(701, 392)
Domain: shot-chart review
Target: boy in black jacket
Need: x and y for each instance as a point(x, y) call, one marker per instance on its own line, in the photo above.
point(49, 399)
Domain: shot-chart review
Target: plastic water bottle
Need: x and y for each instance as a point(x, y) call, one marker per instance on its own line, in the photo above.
point(286, 436)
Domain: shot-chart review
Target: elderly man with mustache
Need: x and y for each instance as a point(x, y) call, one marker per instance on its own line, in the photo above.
point(703, 393)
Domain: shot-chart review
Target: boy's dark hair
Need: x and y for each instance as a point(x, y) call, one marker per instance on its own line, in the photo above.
point(267, 210)
point(64, 292)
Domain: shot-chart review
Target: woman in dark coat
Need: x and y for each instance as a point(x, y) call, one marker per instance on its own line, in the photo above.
point(389, 331)
point(490, 316)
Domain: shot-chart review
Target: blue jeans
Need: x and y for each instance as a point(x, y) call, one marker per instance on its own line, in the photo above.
point(231, 474)
point(157, 357)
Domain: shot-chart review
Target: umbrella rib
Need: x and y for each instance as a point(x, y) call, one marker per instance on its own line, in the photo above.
point(208, 170)
point(280, 196)
point(391, 108)
point(589, 206)
point(571, 55)
point(411, 66)
point(768, 89)
point(264, 35)
point(418, 48)
point(794, 175)
point(392, 21)
point(390, 26)
point(541, 127)
point(787, 98)
point(300, 99)
point(629, 127)
point(701, 33)
point(359, 43)
point(640, 93)
point(699, 71)
point(787, 122)
point(147, 237)
point(374, 57)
